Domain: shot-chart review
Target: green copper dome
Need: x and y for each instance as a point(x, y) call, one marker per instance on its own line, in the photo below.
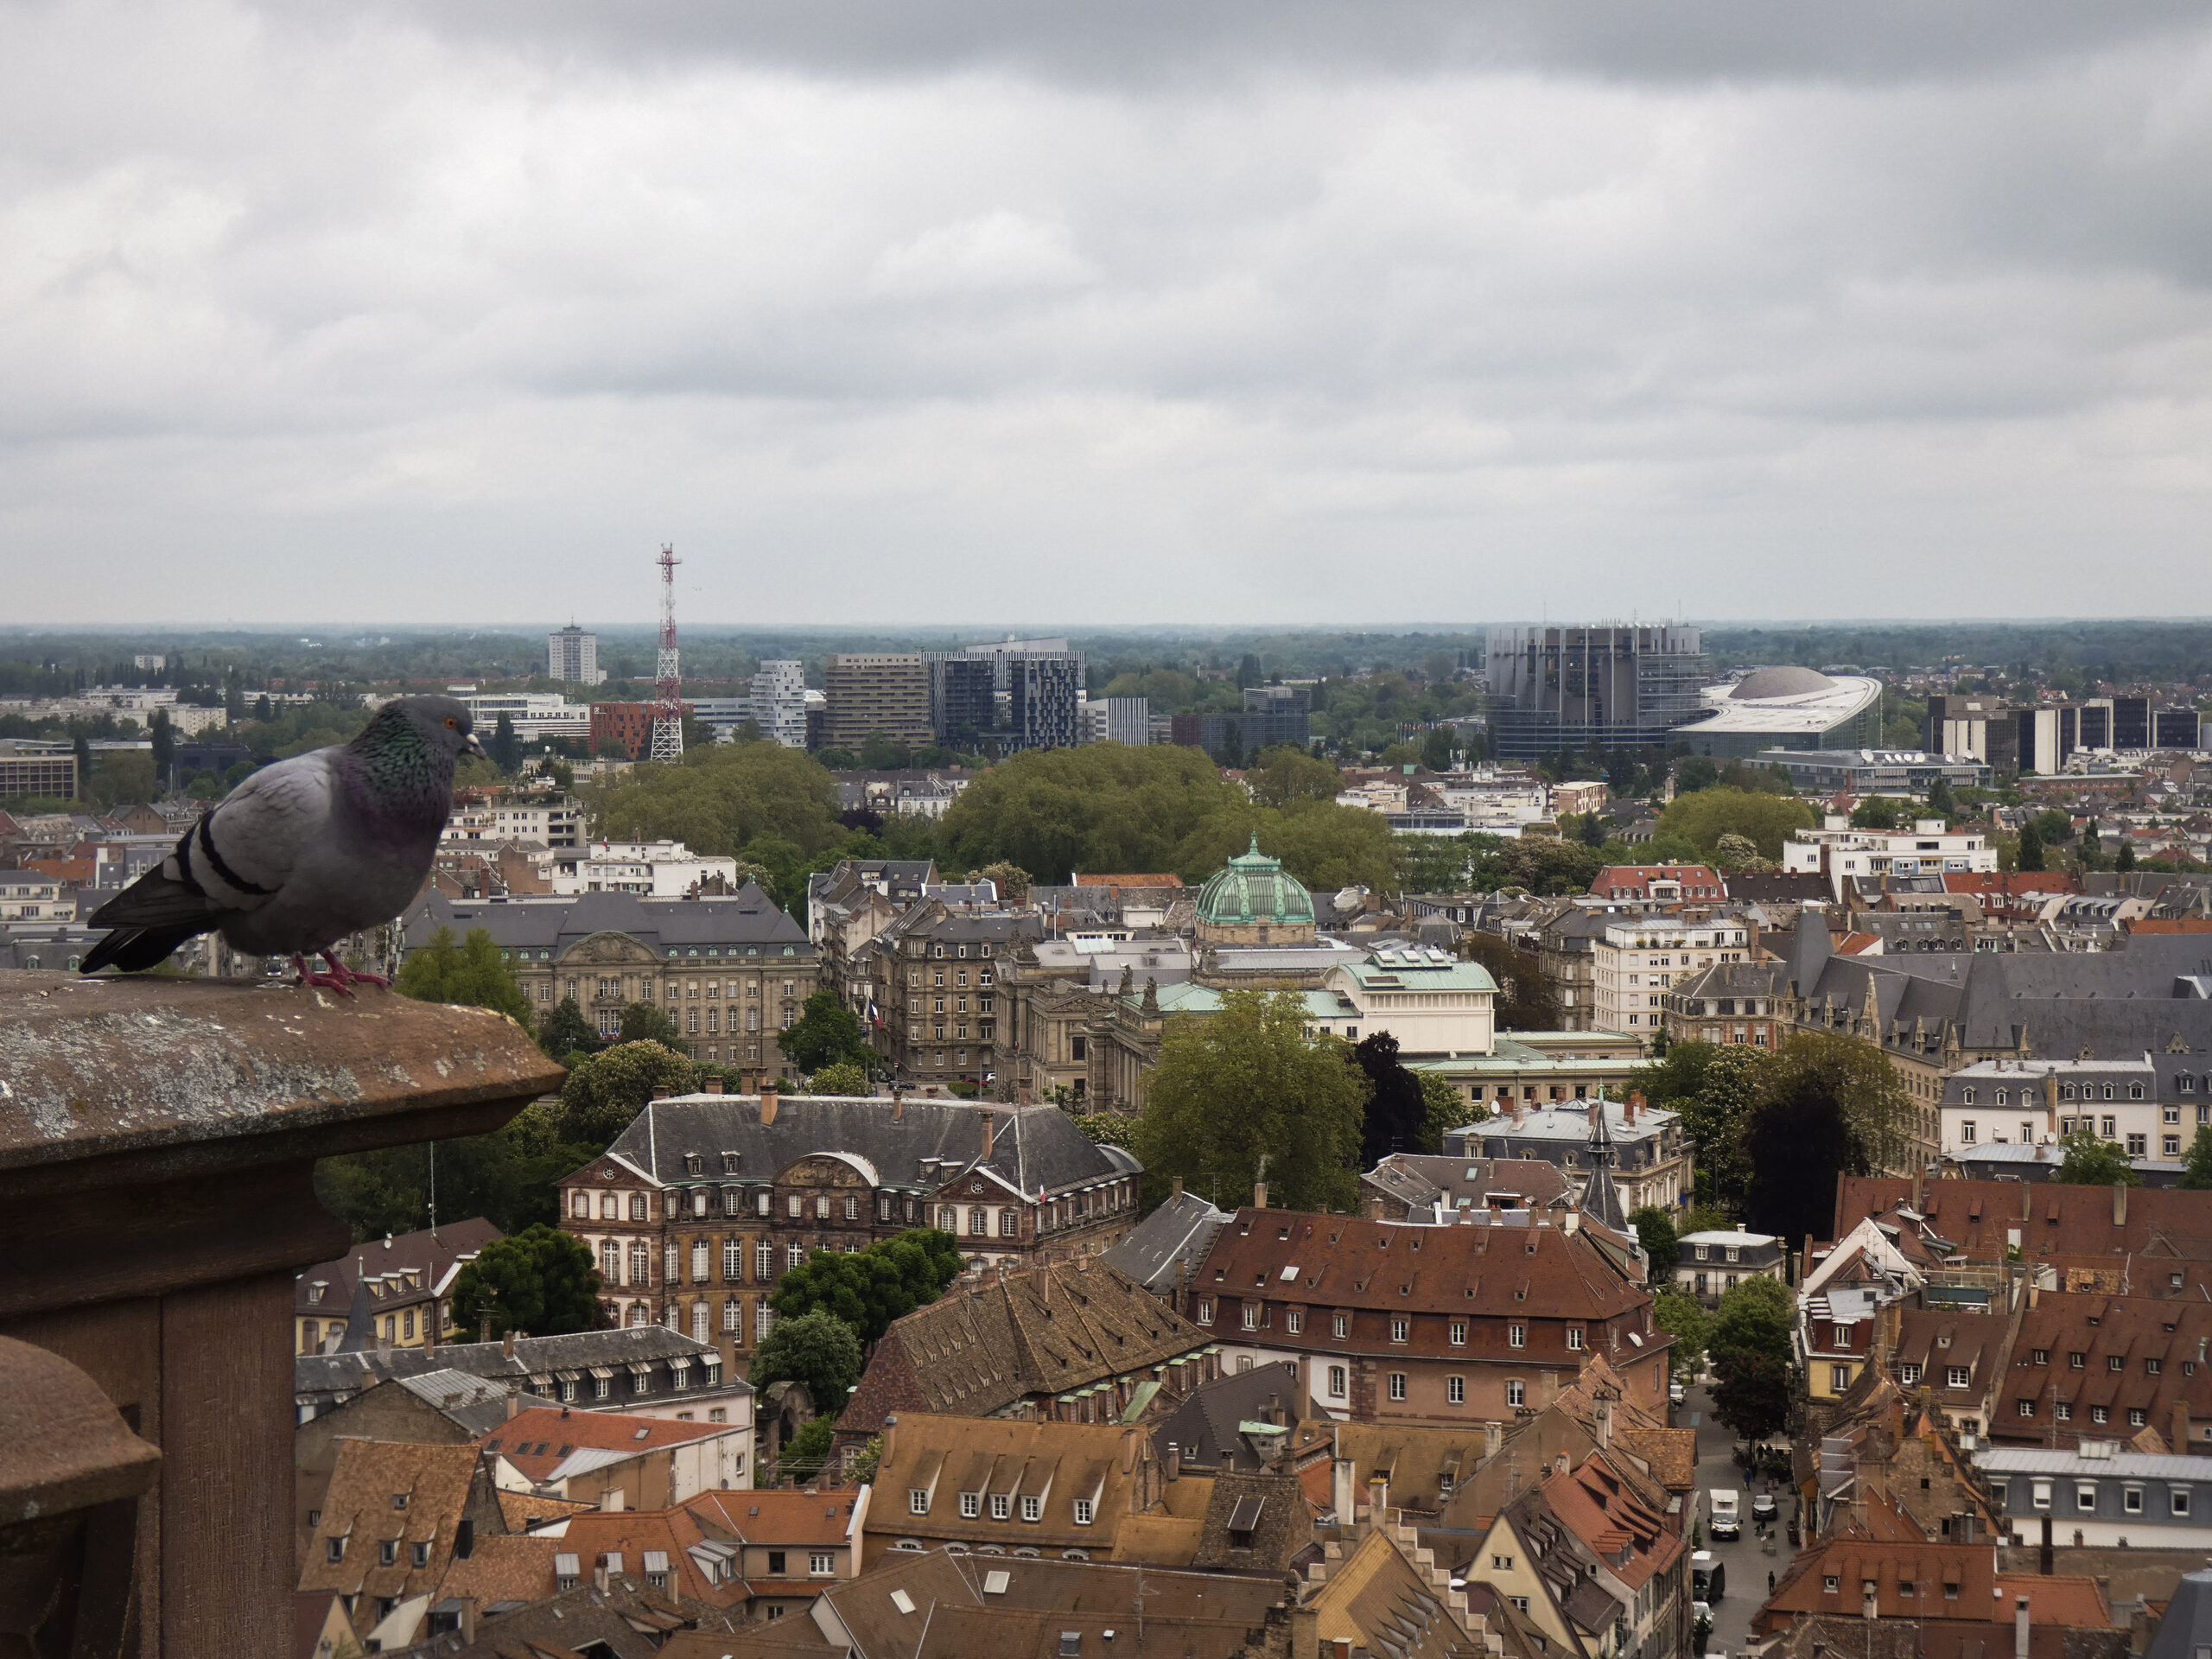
point(1255, 890)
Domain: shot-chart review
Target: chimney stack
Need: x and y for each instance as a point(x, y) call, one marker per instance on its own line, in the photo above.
point(2020, 1628)
point(767, 1102)
point(662, 1094)
point(2178, 1439)
point(1919, 1174)
point(1374, 1209)
point(1258, 1195)
point(1378, 1499)
point(1493, 1437)
point(2119, 1204)
point(990, 1130)
point(897, 1104)
point(714, 1086)
point(508, 1345)
point(1174, 1461)
point(514, 1404)
point(1174, 1189)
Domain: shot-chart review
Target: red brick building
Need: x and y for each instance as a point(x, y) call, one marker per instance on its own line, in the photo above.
point(626, 726)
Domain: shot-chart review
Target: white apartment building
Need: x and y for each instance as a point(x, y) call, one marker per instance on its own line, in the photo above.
point(1435, 1005)
point(2151, 1106)
point(651, 869)
point(573, 655)
point(29, 896)
point(1843, 853)
point(539, 716)
point(1116, 720)
point(1633, 963)
point(556, 823)
point(779, 702)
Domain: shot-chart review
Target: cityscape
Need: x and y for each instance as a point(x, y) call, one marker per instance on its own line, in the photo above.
point(1004, 832)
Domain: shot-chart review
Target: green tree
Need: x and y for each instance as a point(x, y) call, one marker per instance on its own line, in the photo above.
point(1750, 1393)
point(1527, 999)
point(2091, 1162)
point(540, 1282)
point(1396, 1117)
point(565, 1032)
point(1281, 777)
point(2196, 1173)
point(507, 1176)
point(1940, 802)
point(723, 798)
point(1828, 1105)
point(2124, 860)
point(1880, 812)
point(825, 1034)
point(470, 972)
point(1013, 883)
point(870, 1288)
point(164, 736)
point(83, 749)
point(818, 1350)
point(121, 776)
point(606, 1090)
point(840, 1078)
point(1436, 749)
point(1682, 1318)
point(1655, 1228)
point(1447, 1107)
point(1105, 1129)
point(1755, 1315)
point(1713, 1088)
point(505, 747)
point(803, 1455)
point(1765, 820)
point(2030, 856)
point(1246, 1083)
point(645, 1022)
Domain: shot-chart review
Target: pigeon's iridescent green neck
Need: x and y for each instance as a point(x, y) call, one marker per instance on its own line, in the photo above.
point(402, 777)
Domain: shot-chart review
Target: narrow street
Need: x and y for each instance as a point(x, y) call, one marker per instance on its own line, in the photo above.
point(1746, 1563)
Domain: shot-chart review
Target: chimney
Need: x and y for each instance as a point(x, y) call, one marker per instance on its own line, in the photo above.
point(990, 1130)
point(2020, 1627)
point(1493, 1437)
point(1378, 1499)
point(1604, 1418)
point(1174, 1461)
point(2177, 1442)
point(514, 1404)
point(714, 1086)
point(1340, 1489)
point(890, 1440)
point(2035, 1292)
point(507, 1344)
point(1258, 1195)
point(662, 1094)
point(1174, 1189)
point(1374, 1209)
point(1022, 1092)
point(1635, 1105)
point(897, 1104)
point(2119, 1204)
point(767, 1104)
point(1919, 1174)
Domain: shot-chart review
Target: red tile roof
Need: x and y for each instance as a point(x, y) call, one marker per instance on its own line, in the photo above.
point(535, 1441)
point(1169, 880)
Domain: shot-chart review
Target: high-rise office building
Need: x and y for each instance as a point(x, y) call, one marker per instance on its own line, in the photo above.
point(963, 710)
point(870, 692)
point(573, 655)
point(1036, 686)
point(2096, 724)
point(2174, 729)
point(1275, 714)
point(2131, 722)
point(1119, 720)
point(1567, 687)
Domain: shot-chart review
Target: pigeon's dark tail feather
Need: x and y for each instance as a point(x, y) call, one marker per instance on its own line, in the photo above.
point(134, 949)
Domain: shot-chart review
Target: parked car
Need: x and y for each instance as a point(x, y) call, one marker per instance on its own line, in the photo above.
point(1764, 1512)
point(1675, 1392)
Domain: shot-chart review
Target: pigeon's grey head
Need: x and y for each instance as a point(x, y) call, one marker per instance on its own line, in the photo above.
point(441, 723)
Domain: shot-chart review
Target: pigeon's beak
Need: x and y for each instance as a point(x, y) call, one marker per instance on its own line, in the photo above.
point(476, 747)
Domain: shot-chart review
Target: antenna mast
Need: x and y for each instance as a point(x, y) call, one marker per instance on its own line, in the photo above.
point(668, 702)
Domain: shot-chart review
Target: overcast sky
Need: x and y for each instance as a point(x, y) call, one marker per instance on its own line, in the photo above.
point(1250, 310)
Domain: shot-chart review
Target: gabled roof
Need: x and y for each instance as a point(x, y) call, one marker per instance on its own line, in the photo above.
point(401, 1270)
point(1181, 1231)
point(1211, 1421)
point(541, 1443)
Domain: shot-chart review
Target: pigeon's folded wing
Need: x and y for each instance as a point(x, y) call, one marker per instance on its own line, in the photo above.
point(239, 857)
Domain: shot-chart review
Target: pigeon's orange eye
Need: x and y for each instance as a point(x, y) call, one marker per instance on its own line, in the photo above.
point(453, 724)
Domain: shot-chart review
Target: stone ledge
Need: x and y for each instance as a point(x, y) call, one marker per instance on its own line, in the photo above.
point(128, 1080)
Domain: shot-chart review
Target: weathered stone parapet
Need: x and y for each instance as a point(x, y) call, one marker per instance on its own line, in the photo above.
point(157, 1145)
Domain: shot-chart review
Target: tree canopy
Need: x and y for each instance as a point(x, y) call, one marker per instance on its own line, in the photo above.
point(645, 1022)
point(827, 1033)
point(1655, 1229)
point(564, 1031)
point(1527, 999)
point(725, 799)
point(1827, 1105)
point(1765, 820)
point(1246, 1083)
point(2090, 1161)
point(540, 1282)
point(469, 973)
point(818, 1350)
point(607, 1090)
point(2196, 1172)
point(1396, 1117)
point(870, 1288)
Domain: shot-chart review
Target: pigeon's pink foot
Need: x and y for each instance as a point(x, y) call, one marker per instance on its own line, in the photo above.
point(352, 975)
point(326, 982)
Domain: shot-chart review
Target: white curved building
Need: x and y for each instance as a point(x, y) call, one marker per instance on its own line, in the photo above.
point(1787, 707)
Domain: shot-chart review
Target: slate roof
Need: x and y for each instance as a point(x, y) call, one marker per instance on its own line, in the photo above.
point(629, 1619)
point(1211, 1419)
point(1180, 1230)
point(1423, 1180)
point(469, 1402)
point(386, 1262)
point(534, 1358)
point(751, 918)
point(1033, 1147)
point(2186, 1630)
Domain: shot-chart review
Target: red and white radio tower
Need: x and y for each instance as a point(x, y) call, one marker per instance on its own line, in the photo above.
point(668, 701)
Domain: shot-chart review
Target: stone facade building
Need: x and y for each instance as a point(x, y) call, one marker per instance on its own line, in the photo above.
point(933, 990)
point(730, 972)
point(701, 1204)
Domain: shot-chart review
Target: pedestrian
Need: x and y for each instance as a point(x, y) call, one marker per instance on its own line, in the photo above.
point(1770, 1581)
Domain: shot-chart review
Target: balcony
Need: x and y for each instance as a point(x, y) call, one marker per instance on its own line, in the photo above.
point(158, 1139)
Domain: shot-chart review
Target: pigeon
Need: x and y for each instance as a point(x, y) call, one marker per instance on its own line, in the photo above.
point(303, 852)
